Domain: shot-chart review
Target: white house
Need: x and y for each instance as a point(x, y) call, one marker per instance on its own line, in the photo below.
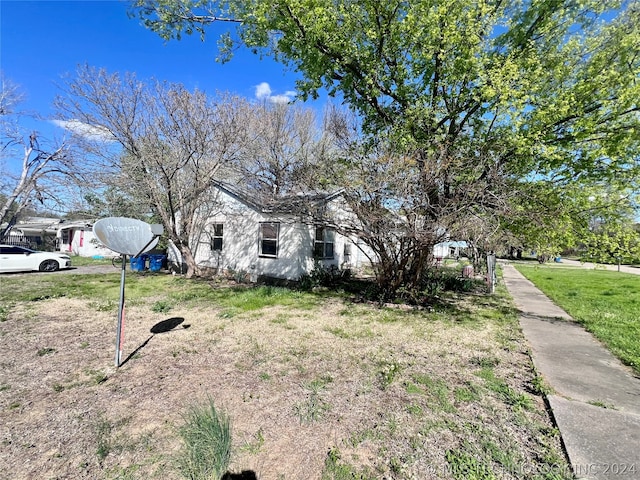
point(449, 249)
point(270, 241)
point(77, 238)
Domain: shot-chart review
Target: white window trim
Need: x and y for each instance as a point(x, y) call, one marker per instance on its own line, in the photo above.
point(276, 239)
point(326, 235)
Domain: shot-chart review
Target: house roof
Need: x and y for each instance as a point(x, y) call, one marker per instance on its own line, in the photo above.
point(37, 225)
point(76, 224)
point(458, 244)
point(287, 204)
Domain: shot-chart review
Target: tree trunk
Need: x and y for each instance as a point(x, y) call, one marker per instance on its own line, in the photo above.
point(189, 260)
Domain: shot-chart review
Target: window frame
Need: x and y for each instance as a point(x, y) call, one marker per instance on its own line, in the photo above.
point(327, 237)
point(215, 238)
point(262, 239)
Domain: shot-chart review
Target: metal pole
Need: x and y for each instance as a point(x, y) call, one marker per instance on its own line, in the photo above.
point(120, 313)
point(491, 272)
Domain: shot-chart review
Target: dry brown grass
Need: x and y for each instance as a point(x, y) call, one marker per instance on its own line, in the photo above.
point(392, 391)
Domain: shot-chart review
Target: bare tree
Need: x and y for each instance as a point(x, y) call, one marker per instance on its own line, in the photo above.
point(161, 143)
point(283, 144)
point(38, 168)
point(401, 205)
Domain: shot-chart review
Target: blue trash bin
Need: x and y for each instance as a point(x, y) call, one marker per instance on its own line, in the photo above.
point(155, 262)
point(138, 264)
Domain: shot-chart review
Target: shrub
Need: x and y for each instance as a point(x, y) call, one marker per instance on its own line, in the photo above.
point(321, 276)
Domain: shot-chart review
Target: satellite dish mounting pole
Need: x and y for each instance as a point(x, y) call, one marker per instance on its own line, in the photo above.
point(126, 236)
point(120, 312)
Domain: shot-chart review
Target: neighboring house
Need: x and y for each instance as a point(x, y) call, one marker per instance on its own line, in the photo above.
point(38, 233)
point(77, 238)
point(449, 249)
point(239, 235)
point(52, 234)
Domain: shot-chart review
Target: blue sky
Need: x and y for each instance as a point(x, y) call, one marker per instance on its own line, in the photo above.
point(41, 42)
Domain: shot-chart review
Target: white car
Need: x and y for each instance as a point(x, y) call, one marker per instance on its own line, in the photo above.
point(20, 259)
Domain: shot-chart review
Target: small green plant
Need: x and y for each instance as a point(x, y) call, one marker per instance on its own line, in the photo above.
point(360, 436)
point(162, 306)
point(254, 446)
point(227, 313)
point(466, 394)
point(412, 388)
point(105, 306)
point(338, 332)
point(601, 404)
point(539, 386)
point(103, 434)
point(46, 351)
point(336, 469)
point(206, 438)
point(4, 312)
point(464, 466)
point(437, 390)
point(97, 376)
point(389, 370)
point(504, 391)
point(485, 362)
point(106, 438)
point(314, 407)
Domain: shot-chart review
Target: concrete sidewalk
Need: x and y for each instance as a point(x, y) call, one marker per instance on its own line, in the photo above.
point(595, 400)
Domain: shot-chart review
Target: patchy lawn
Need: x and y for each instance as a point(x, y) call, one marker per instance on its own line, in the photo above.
point(316, 386)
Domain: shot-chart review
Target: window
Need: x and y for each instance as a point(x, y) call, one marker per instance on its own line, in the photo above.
point(347, 253)
point(269, 239)
point(13, 250)
point(323, 245)
point(216, 237)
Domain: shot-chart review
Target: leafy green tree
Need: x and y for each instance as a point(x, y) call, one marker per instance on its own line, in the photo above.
point(476, 97)
point(550, 220)
point(550, 85)
point(613, 243)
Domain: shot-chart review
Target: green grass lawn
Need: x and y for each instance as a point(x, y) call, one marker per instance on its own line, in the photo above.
point(78, 261)
point(169, 290)
point(607, 303)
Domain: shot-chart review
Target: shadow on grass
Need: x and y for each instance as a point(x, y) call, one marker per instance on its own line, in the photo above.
point(161, 327)
point(244, 475)
point(167, 325)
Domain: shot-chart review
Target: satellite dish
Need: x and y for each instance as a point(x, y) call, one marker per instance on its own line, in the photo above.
point(127, 236)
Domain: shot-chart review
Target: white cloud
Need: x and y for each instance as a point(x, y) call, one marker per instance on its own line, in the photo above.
point(90, 132)
point(264, 92)
point(284, 98)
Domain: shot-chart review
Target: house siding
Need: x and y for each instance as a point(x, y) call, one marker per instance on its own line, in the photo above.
point(81, 241)
point(241, 237)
